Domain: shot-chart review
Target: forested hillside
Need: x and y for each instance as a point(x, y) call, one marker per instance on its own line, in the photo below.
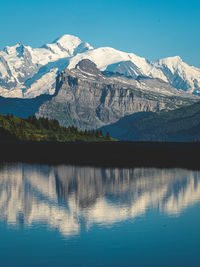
point(44, 130)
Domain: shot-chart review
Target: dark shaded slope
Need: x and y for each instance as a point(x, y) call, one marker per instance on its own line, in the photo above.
point(181, 125)
point(124, 125)
point(22, 107)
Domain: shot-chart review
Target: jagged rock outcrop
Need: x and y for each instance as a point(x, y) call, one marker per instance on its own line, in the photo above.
point(88, 99)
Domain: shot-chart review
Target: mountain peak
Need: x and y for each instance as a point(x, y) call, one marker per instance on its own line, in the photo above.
point(67, 38)
point(70, 44)
point(171, 60)
point(88, 66)
point(13, 49)
point(21, 74)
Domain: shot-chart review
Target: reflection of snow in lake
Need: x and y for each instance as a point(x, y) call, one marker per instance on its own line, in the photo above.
point(65, 197)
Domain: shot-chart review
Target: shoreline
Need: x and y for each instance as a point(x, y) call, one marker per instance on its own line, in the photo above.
point(120, 154)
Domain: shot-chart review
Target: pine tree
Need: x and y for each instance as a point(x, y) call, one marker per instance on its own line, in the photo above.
point(33, 137)
point(97, 133)
point(108, 135)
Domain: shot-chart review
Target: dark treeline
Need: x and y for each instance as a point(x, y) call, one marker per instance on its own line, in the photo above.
point(44, 130)
point(44, 140)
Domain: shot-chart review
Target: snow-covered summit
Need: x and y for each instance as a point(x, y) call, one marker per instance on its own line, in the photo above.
point(171, 62)
point(67, 39)
point(179, 74)
point(29, 72)
point(70, 42)
point(69, 45)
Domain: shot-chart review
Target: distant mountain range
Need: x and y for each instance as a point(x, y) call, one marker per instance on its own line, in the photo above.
point(27, 72)
point(90, 88)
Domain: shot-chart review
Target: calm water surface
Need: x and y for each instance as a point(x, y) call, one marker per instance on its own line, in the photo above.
point(85, 216)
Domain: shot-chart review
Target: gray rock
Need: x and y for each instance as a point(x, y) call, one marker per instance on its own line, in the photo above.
point(88, 99)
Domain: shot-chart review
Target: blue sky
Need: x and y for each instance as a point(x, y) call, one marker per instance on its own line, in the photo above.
point(153, 29)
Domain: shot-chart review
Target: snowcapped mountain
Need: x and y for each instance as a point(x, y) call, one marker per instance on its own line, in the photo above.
point(179, 74)
point(107, 58)
point(27, 72)
point(172, 70)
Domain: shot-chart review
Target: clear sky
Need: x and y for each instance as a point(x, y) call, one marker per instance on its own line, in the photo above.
point(149, 28)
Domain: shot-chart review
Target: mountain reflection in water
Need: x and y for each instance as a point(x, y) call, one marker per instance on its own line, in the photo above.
point(67, 198)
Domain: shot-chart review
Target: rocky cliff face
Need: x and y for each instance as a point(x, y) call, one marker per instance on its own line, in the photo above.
point(88, 99)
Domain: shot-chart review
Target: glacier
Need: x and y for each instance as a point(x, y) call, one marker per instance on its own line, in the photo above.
point(27, 72)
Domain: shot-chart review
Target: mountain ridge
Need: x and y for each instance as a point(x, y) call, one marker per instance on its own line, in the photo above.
point(27, 72)
point(89, 99)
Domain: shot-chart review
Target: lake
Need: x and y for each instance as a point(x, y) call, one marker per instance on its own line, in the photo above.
point(84, 216)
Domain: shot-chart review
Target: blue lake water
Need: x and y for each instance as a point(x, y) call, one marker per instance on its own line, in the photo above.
point(85, 216)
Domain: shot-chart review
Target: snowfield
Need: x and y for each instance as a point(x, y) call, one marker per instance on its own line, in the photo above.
point(27, 72)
